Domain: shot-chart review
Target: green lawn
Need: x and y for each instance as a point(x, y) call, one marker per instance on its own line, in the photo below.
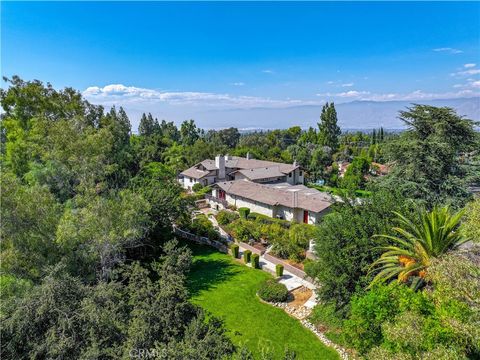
point(227, 290)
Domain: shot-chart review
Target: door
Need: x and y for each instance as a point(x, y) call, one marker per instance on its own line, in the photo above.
point(305, 216)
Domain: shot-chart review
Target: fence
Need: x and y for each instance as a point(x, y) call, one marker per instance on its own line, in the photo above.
point(200, 239)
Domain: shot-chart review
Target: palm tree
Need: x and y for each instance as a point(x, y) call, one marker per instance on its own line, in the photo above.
point(417, 243)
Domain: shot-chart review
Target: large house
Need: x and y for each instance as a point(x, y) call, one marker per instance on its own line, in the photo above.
point(226, 168)
point(265, 187)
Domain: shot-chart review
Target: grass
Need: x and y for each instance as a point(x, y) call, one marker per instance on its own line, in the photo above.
point(339, 191)
point(227, 289)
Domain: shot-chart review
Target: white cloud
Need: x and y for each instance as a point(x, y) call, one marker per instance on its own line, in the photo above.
point(121, 94)
point(476, 84)
point(466, 72)
point(268, 71)
point(471, 65)
point(348, 85)
point(448, 50)
point(238, 84)
point(416, 95)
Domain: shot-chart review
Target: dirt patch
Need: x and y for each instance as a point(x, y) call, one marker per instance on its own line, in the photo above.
point(299, 296)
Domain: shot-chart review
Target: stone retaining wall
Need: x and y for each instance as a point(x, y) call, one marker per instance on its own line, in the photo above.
point(251, 248)
point(200, 239)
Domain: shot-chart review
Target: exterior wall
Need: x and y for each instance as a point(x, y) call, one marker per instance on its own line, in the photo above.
point(188, 182)
point(253, 205)
point(294, 178)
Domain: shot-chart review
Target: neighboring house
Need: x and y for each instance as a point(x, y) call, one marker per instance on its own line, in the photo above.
point(226, 168)
point(282, 200)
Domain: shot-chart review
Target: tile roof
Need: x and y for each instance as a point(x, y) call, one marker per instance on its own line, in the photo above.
point(261, 173)
point(194, 173)
point(279, 194)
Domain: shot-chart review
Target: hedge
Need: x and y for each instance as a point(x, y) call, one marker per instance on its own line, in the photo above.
point(234, 248)
point(264, 219)
point(247, 254)
point(256, 261)
point(279, 270)
point(272, 291)
point(244, 211)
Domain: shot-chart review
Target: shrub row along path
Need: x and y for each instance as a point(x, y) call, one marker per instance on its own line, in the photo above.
point(227, 289)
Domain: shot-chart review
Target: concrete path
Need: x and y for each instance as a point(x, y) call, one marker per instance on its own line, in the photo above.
point(290, 280)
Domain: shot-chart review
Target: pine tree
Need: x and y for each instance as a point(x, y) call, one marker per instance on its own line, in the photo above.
point(381, 134)
point(329, 130)
point(147, 125)
point(373, 140)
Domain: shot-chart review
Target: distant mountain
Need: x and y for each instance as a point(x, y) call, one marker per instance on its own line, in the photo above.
point(351, 115)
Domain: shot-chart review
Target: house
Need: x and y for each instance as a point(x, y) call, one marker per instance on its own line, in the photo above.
point(278, 200)
point(227, 168)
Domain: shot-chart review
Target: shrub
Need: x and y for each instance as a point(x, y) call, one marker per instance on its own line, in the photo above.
point(234, 249)
point(256, 261)
point(279, 270)
point(244, 211)
point(246, 256)
point(241, 229)
point(264, 219)
point(272, 291)
point(197, 187)
point(203, 227)
point(225, 217)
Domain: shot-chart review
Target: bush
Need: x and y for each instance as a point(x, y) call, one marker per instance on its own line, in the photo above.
point(244, 211)
point(246, 256)
point(197, 187)
point(225, 217)
point(241, 229)
point(264, 219)
point(256, 261)
point(279, 270)
point(203, 227)
point(272, 291)
point(234, 249)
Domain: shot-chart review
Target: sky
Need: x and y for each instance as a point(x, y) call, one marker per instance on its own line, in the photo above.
point(204, 60)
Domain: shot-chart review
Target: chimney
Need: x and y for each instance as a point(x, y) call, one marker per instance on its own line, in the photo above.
point(220, 165)
point(295, 200)
point(248, 156)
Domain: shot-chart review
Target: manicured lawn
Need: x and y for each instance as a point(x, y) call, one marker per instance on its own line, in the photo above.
point(227, 290)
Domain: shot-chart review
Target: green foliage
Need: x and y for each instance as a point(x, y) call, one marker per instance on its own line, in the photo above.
point(363, 329)
point(344, 247)
point(428, 236)
point(234, 248)
point(244, 211)
point(109, 319)
point(197, 187)
point(471, 222)
point(264, 219)
point(427, 156)
point(279, 270)
point(329, 131)
point(354, 177)
point(272, 291)
point(255, 261)
point(247, 254)
point(201, 226)
point(225, 217)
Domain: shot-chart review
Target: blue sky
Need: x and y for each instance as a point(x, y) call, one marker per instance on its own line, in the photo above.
point(180, 59)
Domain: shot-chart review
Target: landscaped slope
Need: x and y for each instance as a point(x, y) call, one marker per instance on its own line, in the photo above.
point(227, 289)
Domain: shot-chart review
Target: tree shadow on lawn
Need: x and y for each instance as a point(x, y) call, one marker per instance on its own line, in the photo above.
point(208, 272)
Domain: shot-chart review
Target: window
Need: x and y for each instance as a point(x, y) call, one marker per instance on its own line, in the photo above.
point(301, 172)
point(289, 174)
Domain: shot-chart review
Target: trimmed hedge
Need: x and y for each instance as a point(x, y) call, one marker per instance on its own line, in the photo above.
point(256, 261)
point(235, 249)
point(279, 270)
point(264, 219)
point(247, 254)
point(244, 211)
point(272, 291)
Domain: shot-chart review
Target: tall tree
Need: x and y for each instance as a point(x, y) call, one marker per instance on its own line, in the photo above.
point(329, 131)
point(147, 125)
point(189, 132)
point(427, 156)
